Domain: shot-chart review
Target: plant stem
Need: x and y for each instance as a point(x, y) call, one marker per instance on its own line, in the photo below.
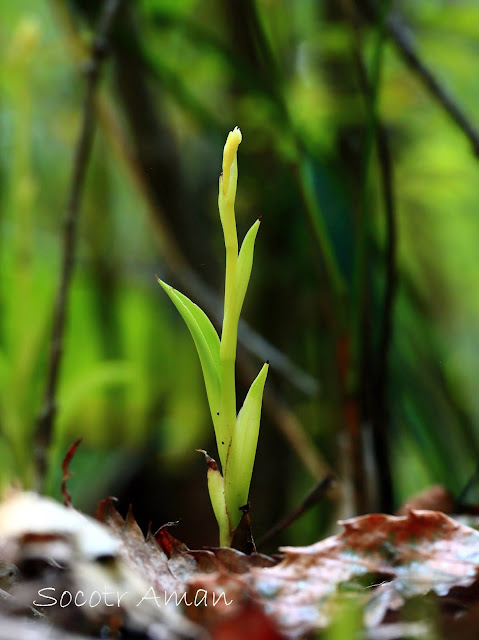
point(228, 353)
point(228, 348)
point(229, 334)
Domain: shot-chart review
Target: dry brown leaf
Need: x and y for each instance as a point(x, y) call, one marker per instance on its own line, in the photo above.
point(399, 556)
point(384, 559)
point(381, 560)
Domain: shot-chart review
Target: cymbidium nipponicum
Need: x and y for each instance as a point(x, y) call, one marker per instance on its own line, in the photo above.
point(236, 435)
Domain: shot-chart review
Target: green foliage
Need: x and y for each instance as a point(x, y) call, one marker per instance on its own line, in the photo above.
point(240, 460)
point(236, 436)
point(207, 344)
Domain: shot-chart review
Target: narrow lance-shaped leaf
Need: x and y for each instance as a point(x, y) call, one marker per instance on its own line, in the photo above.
point(204, 323)
point(207, 344)
point(244, 266)
point(216, 489)
point(240, 461)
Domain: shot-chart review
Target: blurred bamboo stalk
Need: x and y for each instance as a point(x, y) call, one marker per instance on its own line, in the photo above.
point(46, 419)
point(375, 385)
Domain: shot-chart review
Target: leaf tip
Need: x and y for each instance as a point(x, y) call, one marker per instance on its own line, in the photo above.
point(210, 462)
point(163, 284)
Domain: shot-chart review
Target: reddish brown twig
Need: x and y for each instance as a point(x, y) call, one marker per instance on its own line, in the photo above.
point(67, 499)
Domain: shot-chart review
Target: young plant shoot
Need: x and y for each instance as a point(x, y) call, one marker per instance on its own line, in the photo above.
point(236, 435)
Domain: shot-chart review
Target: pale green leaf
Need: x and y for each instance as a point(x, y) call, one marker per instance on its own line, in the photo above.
point(240, 461)
point(244, 266)
point(206, 341)
point(216, 489)
point(204, 323)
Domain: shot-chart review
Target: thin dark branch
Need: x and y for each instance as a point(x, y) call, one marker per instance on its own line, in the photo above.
point(404, 44)
point(313, 497)
point(83, 148)
point(401, 37)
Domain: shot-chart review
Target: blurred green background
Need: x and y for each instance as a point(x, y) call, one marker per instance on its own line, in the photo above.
point(368, 308)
